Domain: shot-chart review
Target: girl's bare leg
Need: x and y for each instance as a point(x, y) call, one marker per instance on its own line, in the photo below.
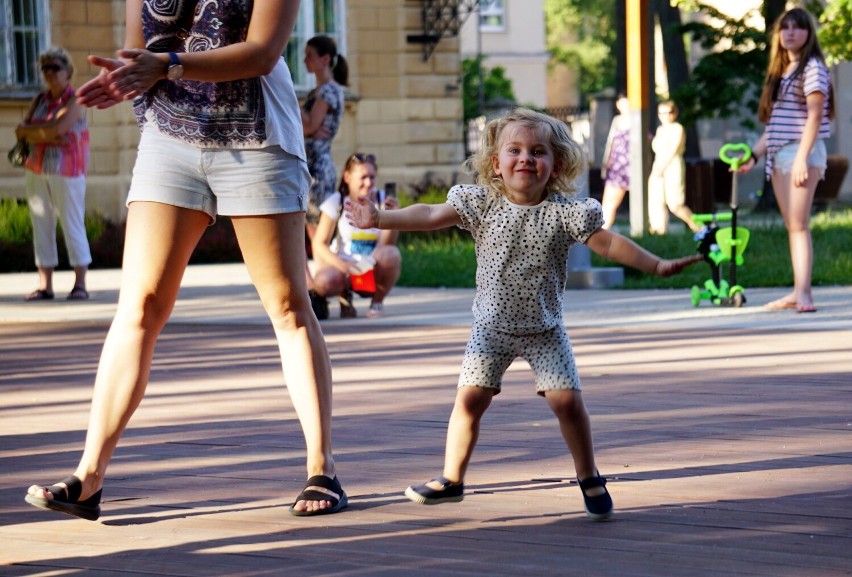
point(611, 200)
point(271, 246)
point(158, 243)
point(576, 429)
point(388, 268)
point(463, 431)
point(795, 205)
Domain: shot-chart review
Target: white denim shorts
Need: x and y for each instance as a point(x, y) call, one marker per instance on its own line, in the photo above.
point(230, 182)
point(818, 158)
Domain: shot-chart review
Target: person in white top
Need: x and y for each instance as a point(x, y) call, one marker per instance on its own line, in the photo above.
point(338, 246)
point(524, 220)
point(667, 182)
point(796, 105)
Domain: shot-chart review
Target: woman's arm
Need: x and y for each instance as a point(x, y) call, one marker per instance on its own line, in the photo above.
point(136, 69)
point(615, 247)
point(758, 151)
point(312, 120)
point(321, 242)
point(52, 130)
point(815, 101)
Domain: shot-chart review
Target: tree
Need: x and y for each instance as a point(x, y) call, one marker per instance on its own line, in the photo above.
point(581, 35)
point(725, 81)
point(834, 36)
point(495, 86)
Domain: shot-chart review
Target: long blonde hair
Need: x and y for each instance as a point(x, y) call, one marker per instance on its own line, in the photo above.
point(569, 157)
point(779, 60)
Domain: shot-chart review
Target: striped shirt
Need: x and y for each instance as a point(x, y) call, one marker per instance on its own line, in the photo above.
point(790, 111)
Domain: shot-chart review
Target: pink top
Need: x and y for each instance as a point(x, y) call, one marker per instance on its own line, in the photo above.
point(790, 111)
point(68, 157)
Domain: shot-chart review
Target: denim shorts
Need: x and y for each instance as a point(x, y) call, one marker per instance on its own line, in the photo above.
point(226, 181)
point(818, 158)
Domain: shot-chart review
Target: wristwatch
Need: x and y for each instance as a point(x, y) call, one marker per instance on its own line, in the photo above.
point(174, 70)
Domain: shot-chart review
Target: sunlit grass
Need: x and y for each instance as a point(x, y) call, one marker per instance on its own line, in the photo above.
point(449, 261)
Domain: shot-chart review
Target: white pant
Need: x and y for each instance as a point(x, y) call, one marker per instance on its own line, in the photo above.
point(52, 196)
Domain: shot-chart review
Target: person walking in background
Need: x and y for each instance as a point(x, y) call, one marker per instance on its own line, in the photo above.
point(796, 105)
point(57, 132)
point(221, 134)
point(615, 166)
point(667, 182)
point(337, 244)
point(524, 220)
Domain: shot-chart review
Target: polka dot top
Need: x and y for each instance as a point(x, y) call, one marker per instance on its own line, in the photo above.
point(522, 254)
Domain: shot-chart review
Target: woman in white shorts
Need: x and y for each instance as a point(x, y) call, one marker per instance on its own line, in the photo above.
point(221, 134)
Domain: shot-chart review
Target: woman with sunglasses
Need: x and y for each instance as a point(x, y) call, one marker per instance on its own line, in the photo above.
point(338, 246)
point(56, 130)
point(221, 134)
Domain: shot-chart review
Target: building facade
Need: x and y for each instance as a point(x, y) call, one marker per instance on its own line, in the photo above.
point(401, 106)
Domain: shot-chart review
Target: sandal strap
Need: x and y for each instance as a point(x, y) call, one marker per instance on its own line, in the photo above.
point(325, 482)
point(69, 493)
point(591, 483)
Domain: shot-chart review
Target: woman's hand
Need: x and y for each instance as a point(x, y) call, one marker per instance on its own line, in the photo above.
point(745, 167)
point(799, 172)
point(98, 92)
point(666, 268)
point(361, 213)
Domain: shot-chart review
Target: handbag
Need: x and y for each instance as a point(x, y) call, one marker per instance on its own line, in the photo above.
point(19, 153)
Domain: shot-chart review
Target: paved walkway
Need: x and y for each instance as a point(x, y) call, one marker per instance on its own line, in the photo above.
point(725, 434)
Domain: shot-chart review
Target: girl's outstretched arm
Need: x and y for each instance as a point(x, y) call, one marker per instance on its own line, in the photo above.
point(613, 246)
point(363, 214)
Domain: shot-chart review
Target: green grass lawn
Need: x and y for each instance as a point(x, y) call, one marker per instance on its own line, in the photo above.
point(448, 260)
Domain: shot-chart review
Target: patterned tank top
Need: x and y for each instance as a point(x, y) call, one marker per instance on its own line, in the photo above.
point(206, 114)
point(70, 156)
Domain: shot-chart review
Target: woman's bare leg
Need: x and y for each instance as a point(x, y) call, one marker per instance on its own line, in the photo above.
point(611, 200)
point(158, 243)
point(271, 247)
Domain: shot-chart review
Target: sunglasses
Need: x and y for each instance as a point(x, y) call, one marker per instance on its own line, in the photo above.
point(361, 159)
point(665, 111)
point(52, 67)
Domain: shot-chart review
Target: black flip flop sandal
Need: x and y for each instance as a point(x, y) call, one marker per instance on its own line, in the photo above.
point(313, 495)
point(65, 500)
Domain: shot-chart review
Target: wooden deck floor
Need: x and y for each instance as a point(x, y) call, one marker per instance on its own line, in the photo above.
point(727, 453)
point(726, 436)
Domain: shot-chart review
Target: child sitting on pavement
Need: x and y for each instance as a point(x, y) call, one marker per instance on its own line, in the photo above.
point(524, 220)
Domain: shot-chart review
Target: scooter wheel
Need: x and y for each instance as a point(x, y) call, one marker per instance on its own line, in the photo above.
point(738, 299)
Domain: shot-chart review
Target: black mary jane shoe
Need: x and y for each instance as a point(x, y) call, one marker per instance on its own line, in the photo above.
point(426, 495)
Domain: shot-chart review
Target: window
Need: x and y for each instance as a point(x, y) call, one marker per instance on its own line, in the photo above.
point(315, 17)
point(492, 15)
point(23, 35)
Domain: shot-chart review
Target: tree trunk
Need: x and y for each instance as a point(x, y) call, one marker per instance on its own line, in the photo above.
point(772, 9)
point(677, 69)
point(621, 47)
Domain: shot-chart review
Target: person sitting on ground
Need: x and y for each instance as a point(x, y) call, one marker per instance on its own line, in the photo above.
point(337, 245)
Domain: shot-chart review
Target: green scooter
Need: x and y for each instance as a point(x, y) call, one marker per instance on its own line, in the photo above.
point(723, 245)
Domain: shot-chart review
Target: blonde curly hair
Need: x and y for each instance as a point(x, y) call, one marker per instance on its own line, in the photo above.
point(569, 157)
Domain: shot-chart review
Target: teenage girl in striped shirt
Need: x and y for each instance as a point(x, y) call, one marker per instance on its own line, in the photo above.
point(796, 106)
